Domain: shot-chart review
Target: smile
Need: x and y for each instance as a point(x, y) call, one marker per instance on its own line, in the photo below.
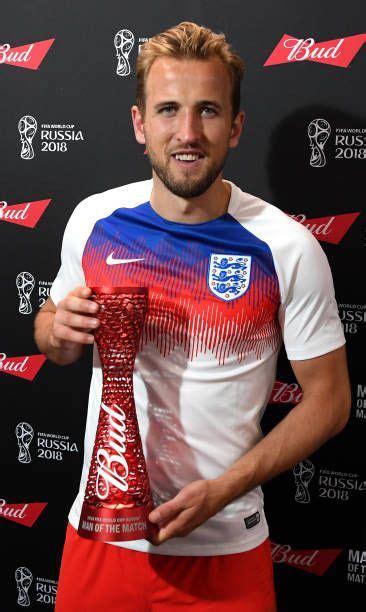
point(187, 156)
point(188, 160)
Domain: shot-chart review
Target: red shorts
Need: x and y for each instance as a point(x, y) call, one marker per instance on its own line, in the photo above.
point(100, 577)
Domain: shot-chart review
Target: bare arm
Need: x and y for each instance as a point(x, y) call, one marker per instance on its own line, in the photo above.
point(62, 332)
point(322, 413)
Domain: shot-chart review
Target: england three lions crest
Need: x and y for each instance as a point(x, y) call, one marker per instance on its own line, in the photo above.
point(229, 275)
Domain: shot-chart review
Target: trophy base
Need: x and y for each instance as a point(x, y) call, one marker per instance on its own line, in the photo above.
point(116, 525)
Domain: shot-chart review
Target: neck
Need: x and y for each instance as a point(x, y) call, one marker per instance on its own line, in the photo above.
point(206, 207)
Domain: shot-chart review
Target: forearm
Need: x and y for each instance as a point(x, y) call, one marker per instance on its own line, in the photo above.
point(60, 353)
point(298, 435)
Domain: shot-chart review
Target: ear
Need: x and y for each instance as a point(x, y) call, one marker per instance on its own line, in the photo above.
point(236, 129)
point(138, 124)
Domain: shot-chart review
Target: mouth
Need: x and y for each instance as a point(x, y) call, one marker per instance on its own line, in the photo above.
point(188, 159)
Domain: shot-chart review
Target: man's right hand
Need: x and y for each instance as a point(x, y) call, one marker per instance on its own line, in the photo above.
point(61, 332)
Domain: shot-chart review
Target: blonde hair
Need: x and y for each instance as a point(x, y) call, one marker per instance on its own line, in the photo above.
point(188, 40)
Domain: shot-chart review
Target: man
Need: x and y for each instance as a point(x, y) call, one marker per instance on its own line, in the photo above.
point(227, 275)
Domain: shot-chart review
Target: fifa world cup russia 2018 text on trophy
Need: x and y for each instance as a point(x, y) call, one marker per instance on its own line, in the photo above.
point(118, 498)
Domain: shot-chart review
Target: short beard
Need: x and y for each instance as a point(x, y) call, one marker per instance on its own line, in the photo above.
point(186, 189)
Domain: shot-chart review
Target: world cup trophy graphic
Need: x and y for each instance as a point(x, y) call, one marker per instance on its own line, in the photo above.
point(303, 472)
point(118, 497)
point(123, 42)
point(25, 284)
point(27, 127)
point(24, 433)
point(318, 132)
point(24, 579)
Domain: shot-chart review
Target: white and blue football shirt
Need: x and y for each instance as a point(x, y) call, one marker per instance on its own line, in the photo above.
point(223, 294)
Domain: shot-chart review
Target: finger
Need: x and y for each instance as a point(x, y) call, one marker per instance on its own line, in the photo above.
point(62, 333)
point(165, 512)
point(73, 303)
point(82, 292)
point(178, 527)
point(76, 321)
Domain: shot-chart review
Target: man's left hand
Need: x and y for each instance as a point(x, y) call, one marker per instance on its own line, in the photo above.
point(194, 504)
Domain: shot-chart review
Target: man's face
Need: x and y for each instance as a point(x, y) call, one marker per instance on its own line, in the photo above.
point(187, 125)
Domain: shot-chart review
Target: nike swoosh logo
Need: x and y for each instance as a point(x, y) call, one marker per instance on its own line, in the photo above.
point(110, 261)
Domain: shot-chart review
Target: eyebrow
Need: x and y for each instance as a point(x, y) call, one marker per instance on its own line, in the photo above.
point(165, 103)
point(198, 104)
point(210, 103)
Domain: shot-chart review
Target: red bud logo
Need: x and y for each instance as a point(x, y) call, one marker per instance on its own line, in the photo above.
point(285, 393)
point(313, 561)
point(24, 367)
point(339, 52)
point(25, 514)
point(328, 229)
point(27, 214)
point(28, 56)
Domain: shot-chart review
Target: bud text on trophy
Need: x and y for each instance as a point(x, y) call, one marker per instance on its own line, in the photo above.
point(118, 498)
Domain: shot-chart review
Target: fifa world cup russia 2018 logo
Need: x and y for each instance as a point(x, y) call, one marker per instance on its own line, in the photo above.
point(303, 473)
point(24, 578)
point(123, 42)
point(24, 433)
point(27, 127)
point(25, 284)
point(318, 132)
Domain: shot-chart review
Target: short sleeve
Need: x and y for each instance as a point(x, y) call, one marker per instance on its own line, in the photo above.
point(308, 313)
point(70, 274)
point(80, 226)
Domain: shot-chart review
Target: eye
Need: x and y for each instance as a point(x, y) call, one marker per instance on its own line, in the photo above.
point(208, 111)
point(167, 110)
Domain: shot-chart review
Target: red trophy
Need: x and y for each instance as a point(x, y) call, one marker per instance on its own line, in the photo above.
point(118, 497)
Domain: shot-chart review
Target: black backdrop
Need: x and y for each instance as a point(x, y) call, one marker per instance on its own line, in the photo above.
point(317, 525)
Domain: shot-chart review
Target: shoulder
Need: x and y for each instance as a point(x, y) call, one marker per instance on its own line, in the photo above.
point(278, 230)
point(98, 206)
point(101, 204)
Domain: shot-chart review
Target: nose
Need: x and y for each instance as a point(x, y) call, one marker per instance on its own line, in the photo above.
point(189, 129)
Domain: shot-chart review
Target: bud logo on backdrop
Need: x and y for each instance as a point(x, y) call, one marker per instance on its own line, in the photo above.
point(25, 283)
point(24, 367)
point(46, 588)
point(26, 214)
point(54, 137)
point(328, 229)
point(28, 56)
point(49, 446)
point(124, 41)
point(314, 561)
point(25, 513)
point(330, 485)
point(347, 143)
point(353, 317)
point(285, 393)
point(360, 397)
point(337, 52)
point(356, 569)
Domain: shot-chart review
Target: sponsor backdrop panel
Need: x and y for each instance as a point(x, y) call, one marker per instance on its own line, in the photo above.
point(67, 84)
